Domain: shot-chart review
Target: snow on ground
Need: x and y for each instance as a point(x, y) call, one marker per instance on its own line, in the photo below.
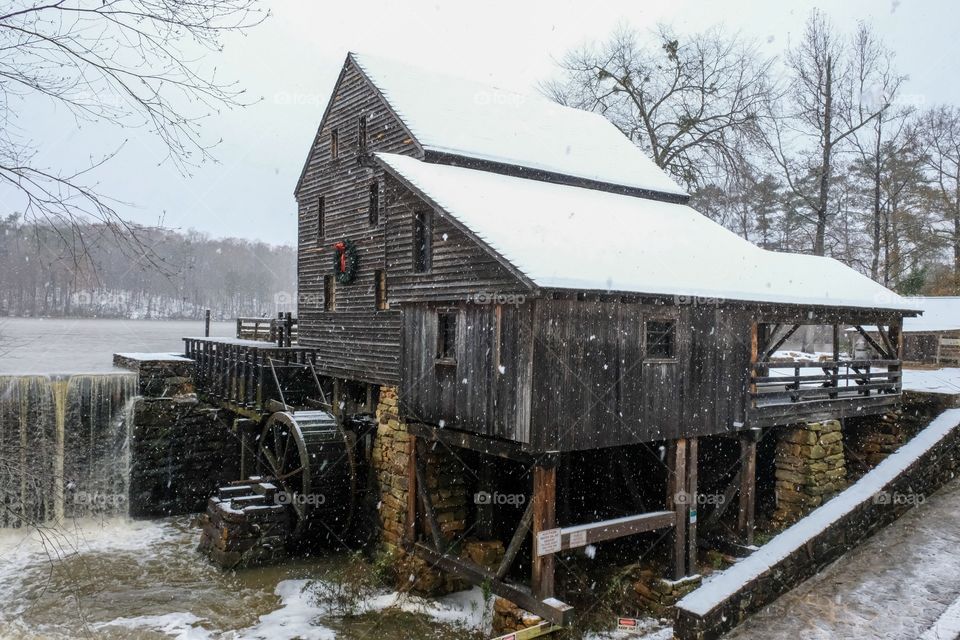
point(894, 586)
point(947, 626)
point(946, 381)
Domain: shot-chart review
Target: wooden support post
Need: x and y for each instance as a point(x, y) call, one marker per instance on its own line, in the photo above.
point(485, 508)
point(206, 323)
point(518, 537)
point(423, 490)
point(748, 484)
point(692, 445)
point(410, 522)
point(544, 519)
point(677, 502)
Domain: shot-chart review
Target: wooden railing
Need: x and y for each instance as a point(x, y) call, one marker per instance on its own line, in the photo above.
point(281, 331)
point(251, 376)
point(780, 383)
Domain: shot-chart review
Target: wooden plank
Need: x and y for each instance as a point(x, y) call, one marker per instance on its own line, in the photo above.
point(410, 521)
point(424, 492)
point(748, 480)
point(537, 631)
point(579, 535)
point(692, 447)
point(677, 469)
point(517, 541)
point(779, 343)
point(547, 608)
point(544, 518)
point(466, 440)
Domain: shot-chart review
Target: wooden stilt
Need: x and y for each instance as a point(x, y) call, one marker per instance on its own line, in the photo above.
point(410, 523)
point(748, 482)
point(485, 509)
point(423, 491)
point(544, 519)
point(692, 445)
point(677, 463)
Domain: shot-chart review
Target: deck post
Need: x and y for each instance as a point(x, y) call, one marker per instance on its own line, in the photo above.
point(692, 445)
point(206, 323)
point(677, 502)
point(544, 519)
point(748, 485)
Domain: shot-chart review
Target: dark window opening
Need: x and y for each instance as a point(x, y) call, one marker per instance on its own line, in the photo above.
point(422, 239)
point(362, 135)
point(321, 218)
point(334, 144)
point(661, 339)
point(380, 290)
point(329, 294)
point(446, 336)
point(374, 212)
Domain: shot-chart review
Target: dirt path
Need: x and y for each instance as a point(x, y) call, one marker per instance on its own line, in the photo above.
point(892, 587)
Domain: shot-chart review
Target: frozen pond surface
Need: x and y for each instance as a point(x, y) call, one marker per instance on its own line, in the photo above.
point(893, 587)
point(87, 345)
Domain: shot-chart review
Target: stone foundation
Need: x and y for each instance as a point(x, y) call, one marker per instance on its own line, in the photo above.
point(872, 440)
point(810, 469)
point(509, 618)
point(445, 482)
point(659, 595)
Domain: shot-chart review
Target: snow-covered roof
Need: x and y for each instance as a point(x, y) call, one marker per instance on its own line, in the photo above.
point(452, 115)
point(565, 237)
point(940, 313)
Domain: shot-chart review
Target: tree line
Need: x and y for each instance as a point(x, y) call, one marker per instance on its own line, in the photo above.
point(821, 149)
point(179, 275)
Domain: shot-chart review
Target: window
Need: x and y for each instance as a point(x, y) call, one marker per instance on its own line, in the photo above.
point(334, 144)
point(447, 337)
point(362, 135)
point(661, 339)
point(329, 294)
point(374, 212)
point(321, 218)
point(422, 240)
point(380, 289)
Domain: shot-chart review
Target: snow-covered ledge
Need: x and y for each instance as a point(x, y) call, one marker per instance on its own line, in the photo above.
point(919, 467)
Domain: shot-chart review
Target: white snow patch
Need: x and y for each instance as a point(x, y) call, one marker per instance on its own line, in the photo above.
point(946, 626)
point(179, 625)
point(719, 586)
point(944, 381)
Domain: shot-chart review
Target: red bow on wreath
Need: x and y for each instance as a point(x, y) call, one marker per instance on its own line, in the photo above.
point(341, 248)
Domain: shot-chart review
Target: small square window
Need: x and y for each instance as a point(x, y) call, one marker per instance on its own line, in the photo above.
point(661, 338)
point(334, 144)
point(447, 337)
point(422, 240)
point(321, 218)
point(329, 294)
point(374, 204)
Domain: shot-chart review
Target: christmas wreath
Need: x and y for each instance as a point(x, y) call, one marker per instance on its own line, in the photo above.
point(345, 261)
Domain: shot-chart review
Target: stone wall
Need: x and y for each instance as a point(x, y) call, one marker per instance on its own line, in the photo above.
point(180, 452)
point(810, 468)
point(920, 467)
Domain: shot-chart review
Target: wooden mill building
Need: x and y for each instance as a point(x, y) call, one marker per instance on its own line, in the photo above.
point(538, 291)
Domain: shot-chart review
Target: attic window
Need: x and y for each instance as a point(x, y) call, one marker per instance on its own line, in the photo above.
point(329, 294)
point(374, 206)
point(380, 290)
point(362, 135)
point(334, 144)
point(661, 339)
point(321, 218)
point(446, 337)
point(422, 240)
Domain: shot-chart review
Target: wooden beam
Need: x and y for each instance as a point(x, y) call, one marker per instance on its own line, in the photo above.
point(424, 492)
point(537, 631)
point(547, 608)
point(769, 352)
point(517, 541)
point(544, 519)
point(410, 522)
point(677, 465)
point(594, 532)
point(873, 343)
point(692, 446)
point(464, 440)
point(748, 484)
point(733, 488)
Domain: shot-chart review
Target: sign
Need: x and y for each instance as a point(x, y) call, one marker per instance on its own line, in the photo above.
point(629, 624)
point(578, 539)
point(548, 542)
point(693, 516)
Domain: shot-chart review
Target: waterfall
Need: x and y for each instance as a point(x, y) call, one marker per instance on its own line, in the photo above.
point(64, 446)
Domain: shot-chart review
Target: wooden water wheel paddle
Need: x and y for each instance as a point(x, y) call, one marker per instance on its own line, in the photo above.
point(311, 459)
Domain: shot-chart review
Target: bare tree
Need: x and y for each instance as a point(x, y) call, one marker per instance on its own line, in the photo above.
point(940, 133)
point(815, 116)
point(130, 63)
point(689, 101)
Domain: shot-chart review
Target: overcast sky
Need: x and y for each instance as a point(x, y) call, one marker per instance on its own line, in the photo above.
point(293, 59)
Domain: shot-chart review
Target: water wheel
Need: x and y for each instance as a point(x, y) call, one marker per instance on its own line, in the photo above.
point(311, 459)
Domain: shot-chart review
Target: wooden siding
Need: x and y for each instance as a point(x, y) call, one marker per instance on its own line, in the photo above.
point(486, 391)
point(355, 341)
point(460, 269)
